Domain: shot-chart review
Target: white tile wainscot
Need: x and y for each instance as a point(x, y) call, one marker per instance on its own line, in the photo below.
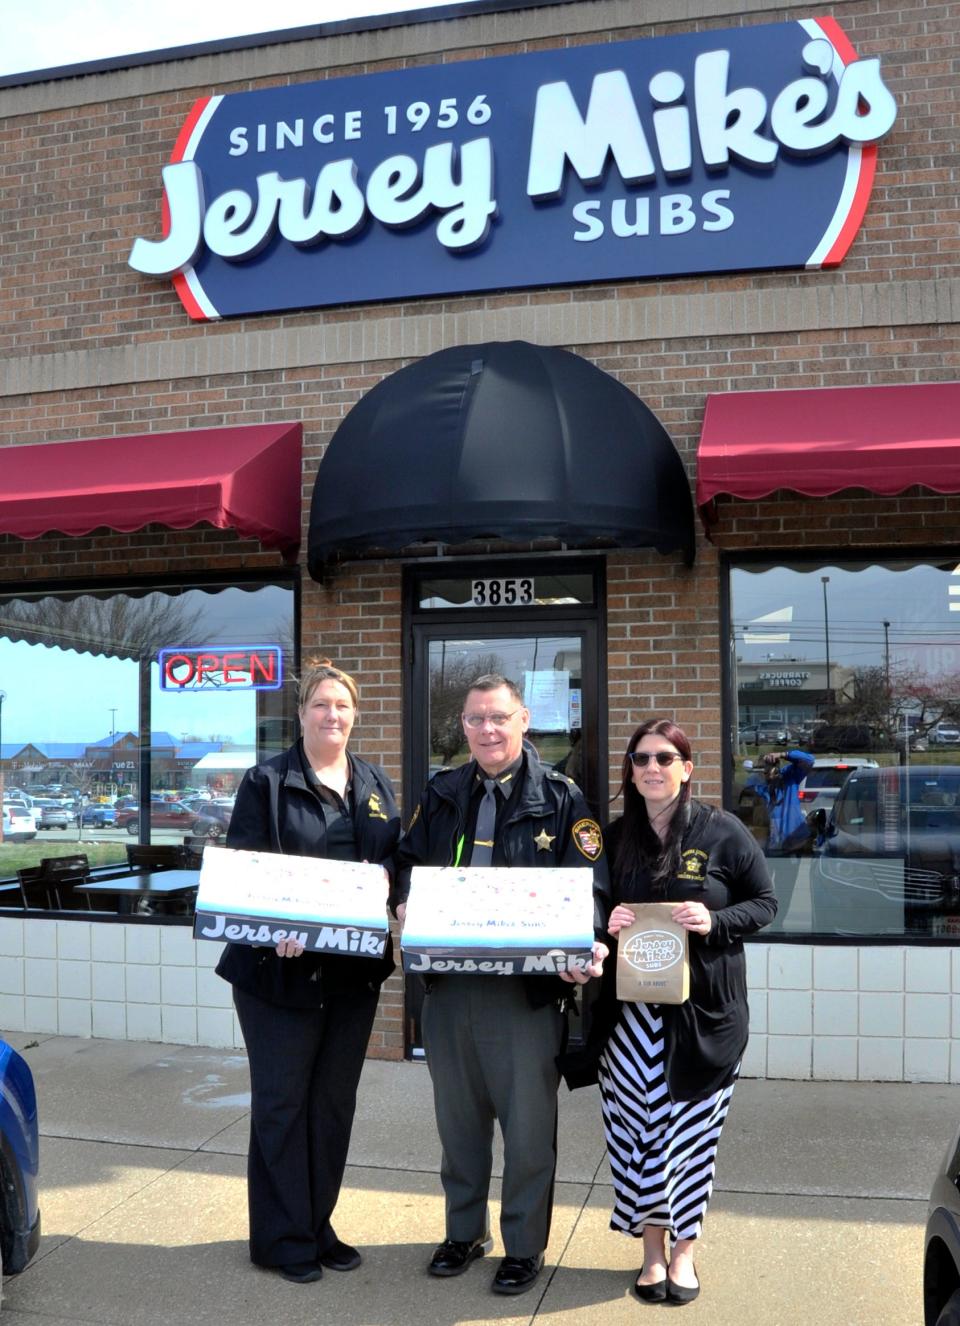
point(888, 1014)
point(828, 1013)
point(113, 980)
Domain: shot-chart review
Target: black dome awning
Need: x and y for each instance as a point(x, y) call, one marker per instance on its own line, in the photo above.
point(504, 440)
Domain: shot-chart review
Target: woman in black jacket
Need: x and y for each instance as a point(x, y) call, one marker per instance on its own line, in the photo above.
point(667, 1072)
point(306, 1017)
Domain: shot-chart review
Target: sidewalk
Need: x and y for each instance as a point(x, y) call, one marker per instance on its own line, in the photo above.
point(818, 1214)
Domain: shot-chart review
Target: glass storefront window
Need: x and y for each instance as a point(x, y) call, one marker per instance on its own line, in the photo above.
point(129, 716)
point(844, 725)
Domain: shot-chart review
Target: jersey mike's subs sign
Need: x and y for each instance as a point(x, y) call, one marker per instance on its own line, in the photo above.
point(714, 151)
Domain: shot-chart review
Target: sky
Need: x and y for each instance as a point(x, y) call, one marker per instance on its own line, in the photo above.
point(44, 34)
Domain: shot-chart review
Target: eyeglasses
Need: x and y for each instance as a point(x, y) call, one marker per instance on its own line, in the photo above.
point(498, 720)
point(664, 758)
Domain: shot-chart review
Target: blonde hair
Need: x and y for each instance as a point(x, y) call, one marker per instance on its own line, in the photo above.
point(317, 670)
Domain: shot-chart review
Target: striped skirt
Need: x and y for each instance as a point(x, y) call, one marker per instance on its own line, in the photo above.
point(662, 1152)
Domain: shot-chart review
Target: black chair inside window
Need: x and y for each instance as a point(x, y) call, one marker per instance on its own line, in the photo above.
point(51, 885)
point(193, 845)
point(162, 856)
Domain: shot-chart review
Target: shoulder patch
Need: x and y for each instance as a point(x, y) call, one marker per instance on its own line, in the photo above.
point(375, 807)
point(588, 839)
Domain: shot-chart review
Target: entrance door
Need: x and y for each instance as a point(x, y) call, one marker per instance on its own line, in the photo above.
point(462, 625)
point(555, 672)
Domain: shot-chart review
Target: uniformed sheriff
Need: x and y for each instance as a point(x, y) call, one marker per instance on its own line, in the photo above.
point(492, 1041)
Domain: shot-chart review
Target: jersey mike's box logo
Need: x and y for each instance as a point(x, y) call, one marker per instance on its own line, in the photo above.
point(498, 920)
point(748, 148)
point(260, 898)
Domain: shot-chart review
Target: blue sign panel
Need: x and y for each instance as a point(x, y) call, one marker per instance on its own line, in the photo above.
point(703, 152)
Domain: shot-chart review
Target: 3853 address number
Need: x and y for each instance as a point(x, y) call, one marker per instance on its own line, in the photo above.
point(513, 591)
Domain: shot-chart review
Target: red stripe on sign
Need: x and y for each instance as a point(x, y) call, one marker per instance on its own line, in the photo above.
point(187, 299)
point(838, 39)
point(183, 290)
point(843, 46)
point(868, 167)
point(189, 124)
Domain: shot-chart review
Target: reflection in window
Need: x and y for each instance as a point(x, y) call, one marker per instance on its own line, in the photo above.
point(844, 719)
point(546, 669)
point(81, 683)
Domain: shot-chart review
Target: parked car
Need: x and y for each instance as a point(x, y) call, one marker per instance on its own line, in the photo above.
point(888, 860)
point(19, 1162)
point(944, 734)
point(823, 782)
point(100, 817)
point(54, 815)
point(163, 815)
point(32, 805)
point(18, 823)
point(212, 822)
point(941, 1259)
point(842, 736)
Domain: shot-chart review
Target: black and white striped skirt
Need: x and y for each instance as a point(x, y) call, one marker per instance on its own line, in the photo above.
point(662, 1152)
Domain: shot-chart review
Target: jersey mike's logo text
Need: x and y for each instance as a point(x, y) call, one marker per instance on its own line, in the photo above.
point(643, 158)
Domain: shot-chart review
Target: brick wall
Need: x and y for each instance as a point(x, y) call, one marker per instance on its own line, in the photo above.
point(81, 162)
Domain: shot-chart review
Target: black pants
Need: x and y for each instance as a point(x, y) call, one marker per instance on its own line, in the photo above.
point(493, 1057)
point(305, 1065)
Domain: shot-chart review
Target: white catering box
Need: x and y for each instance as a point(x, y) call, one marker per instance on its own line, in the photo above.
point(498, 920)
point(263, 897)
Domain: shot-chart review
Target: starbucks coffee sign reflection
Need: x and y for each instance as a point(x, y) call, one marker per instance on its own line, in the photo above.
point(742, 149)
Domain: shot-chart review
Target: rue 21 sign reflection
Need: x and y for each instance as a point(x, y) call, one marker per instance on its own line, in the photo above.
point(703, 152)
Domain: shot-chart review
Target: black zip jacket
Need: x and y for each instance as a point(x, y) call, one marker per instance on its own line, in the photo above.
point(548, 802)
point(721, 866)
point(276, 810)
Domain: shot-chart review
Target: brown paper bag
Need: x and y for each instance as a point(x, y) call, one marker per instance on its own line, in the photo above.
point(652, 961)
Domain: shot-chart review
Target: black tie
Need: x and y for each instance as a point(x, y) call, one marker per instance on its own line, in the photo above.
point(482, 854)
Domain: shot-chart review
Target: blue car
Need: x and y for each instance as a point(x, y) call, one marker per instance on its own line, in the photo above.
point(19, 1163)
point(99, 816)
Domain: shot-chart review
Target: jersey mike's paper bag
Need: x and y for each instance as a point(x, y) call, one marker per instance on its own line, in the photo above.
point(652, 962)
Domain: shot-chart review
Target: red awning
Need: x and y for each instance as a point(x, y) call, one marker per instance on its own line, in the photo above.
point(247, 479)
point(816, 442)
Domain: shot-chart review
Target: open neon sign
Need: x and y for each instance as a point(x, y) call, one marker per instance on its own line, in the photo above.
point(214, 668)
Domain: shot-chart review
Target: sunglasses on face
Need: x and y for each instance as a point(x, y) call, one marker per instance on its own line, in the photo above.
point(664, 758)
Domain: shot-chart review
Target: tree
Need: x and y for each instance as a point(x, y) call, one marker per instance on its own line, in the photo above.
point(119, 626)
point(449, 682)
point(892, 705)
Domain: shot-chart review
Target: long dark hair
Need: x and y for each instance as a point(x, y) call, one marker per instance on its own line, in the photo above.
point(639, 842)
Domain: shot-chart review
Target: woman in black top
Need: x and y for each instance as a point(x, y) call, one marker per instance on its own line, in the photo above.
point(667, 1072)
point(306, 1017)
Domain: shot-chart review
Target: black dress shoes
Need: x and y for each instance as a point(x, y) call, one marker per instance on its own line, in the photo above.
point(515, 1275)
point(655, 1293)
point(301, 1273)
point(340, 1257)
point(453, 1257)
point(681, 1294)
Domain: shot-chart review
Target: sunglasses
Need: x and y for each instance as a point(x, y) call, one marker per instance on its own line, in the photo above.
point(664, 758)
